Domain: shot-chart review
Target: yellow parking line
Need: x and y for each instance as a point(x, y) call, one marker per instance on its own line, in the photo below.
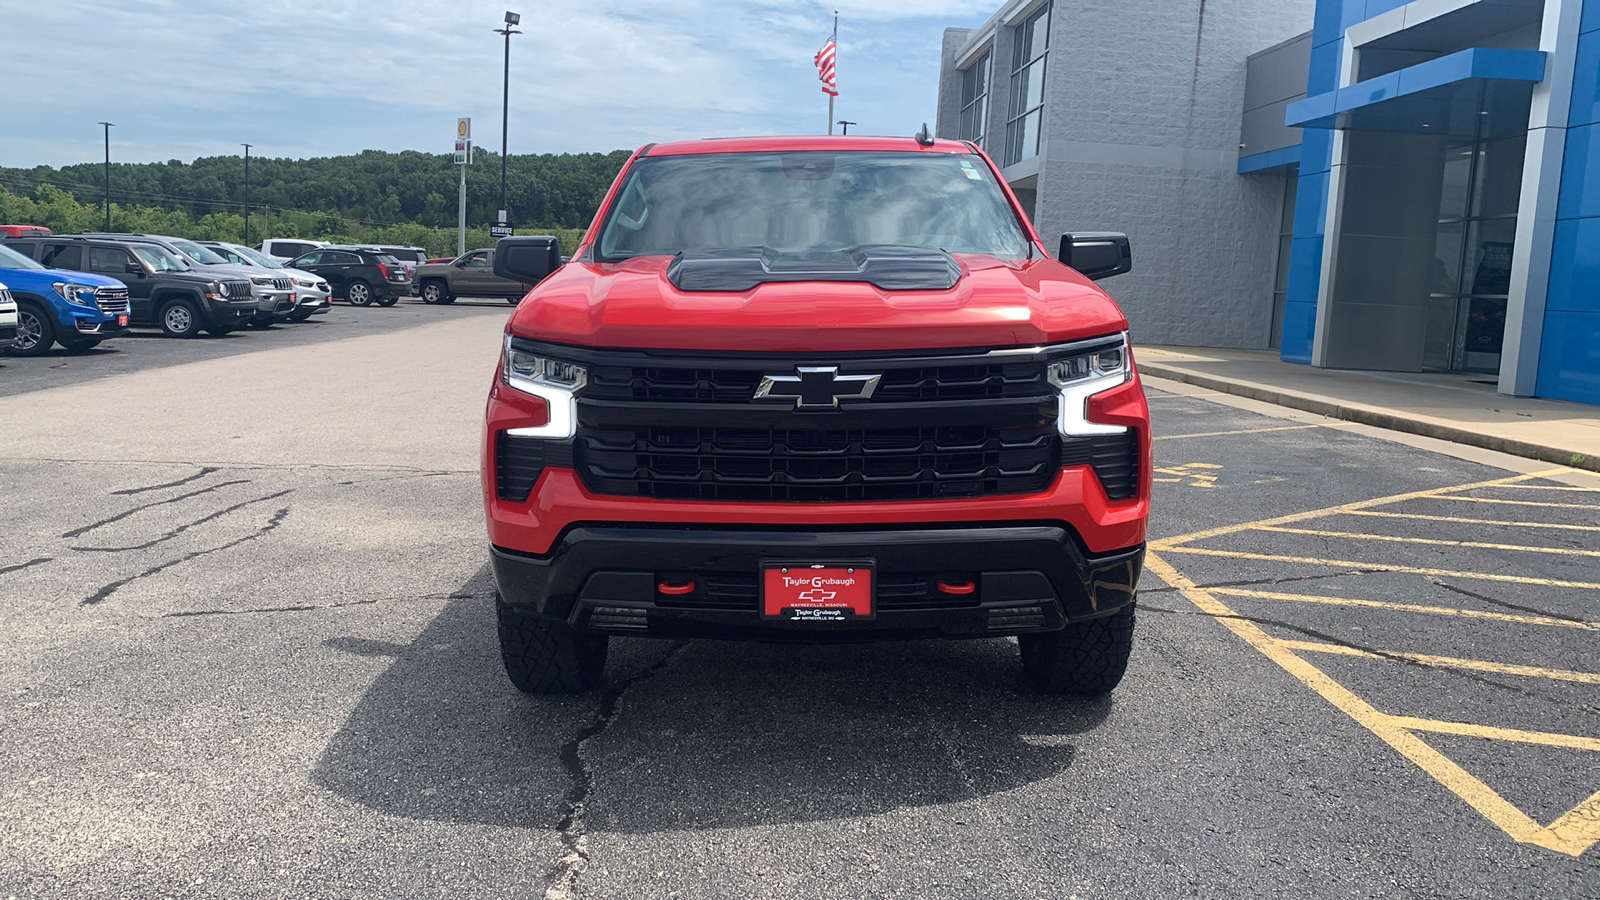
point(1572, 834)
point(1432, 542)
point(1173, 437)
point(1377, 566)
point(1537, 503)
point(1468, 520)
point(1466, 729)
point(1448, 662)
point(1556, 487)
point(1360, 504)
point(1409, 607)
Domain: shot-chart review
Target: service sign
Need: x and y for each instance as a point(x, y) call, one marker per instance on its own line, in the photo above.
point(500, 231)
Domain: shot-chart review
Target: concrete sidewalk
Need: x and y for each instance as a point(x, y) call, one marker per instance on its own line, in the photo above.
point(1463, 409)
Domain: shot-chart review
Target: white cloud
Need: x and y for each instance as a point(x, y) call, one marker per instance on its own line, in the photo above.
point(298, 78)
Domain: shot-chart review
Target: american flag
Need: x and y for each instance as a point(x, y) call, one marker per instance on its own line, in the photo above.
point(824, 60)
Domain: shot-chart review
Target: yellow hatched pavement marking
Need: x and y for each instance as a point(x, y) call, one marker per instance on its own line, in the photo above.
point(1556, 487)
point(1173, 437)
point(1561, 551)
point(1539, 503)
point(1467, 520)
point(1572, 834)
point(1446, 662)
point(1467, 729)
point(1409, 607)
point(1375, 566)
point(1292, 518)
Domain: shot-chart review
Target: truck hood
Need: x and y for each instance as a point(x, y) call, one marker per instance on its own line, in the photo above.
point(993, 304)
point(31, 279)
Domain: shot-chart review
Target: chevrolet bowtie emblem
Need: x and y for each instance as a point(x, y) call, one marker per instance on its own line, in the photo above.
point(820, 387)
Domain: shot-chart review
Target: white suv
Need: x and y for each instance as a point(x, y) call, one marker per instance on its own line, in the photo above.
point(8, 317)
point(285, 249)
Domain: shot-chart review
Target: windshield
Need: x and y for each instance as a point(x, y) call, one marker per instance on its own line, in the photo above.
point(203, 255)
point(11, 259)
point(257, 257)
point(810, 201)
point(403, 254)
point(159, 259)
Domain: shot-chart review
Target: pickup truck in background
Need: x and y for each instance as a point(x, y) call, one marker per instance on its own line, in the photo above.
point(75, 309)
point(471, 275)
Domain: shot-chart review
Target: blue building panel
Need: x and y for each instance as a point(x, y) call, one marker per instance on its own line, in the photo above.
point(1591, 17)
point(1316, 150)
point(1299, 328)
point(1328, 24)
point(1311, 206)
point(1326, 60)
point(1586, 80)
point(1575, 267)
point(1580, 174)
point(1272, 159)
point(1569, 361)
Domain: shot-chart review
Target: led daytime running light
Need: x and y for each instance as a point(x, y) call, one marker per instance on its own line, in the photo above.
point(555, 382)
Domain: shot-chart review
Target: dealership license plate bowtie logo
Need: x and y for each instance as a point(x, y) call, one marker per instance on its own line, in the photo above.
point(817, 387)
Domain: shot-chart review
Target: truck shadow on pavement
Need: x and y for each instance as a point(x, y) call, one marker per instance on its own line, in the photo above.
point(704, 734)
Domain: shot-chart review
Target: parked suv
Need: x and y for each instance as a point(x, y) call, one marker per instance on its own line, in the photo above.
point(810, 390)
point(313, 296)
point(470, 276)
point(8, 317)
point(274, 293)
point(410, 257)
point(59, 305)
point(359, 275)
point(157, 287)
point(285, 249)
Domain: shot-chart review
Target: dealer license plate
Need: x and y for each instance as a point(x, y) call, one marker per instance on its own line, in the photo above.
point(817, 592)
point(122, 320)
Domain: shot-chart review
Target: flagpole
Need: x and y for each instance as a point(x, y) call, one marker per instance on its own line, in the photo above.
point(836, 66)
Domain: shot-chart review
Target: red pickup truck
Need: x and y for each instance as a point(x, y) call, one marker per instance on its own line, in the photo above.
point(813, 390)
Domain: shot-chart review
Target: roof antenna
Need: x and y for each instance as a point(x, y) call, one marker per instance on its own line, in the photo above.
point(923, 137)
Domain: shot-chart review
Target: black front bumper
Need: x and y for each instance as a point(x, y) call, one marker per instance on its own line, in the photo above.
point(1028, 578)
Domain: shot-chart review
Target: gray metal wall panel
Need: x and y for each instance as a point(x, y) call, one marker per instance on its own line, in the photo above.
point(1264, 130)
point(1278, 74)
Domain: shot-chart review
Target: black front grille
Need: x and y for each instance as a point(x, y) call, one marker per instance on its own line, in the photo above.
point(818, 466)
point(901, 383)
point(1114, 457)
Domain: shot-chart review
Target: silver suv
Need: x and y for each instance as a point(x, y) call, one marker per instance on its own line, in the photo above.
point(275, 294)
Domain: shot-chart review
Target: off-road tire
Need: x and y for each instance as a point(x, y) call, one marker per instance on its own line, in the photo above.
point(358, 293)
point(1086, 659)
point(390, 300)
point(179, 319)
point(547, 657)
point(34, 325)
point(434, 291)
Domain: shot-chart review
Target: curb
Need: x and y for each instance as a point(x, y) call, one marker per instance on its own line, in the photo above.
point(1374, 416)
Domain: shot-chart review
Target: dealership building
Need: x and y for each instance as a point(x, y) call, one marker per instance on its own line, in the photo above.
point(1357, 184)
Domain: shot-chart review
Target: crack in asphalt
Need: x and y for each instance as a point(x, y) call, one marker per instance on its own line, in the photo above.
point(204, 471)
point(182, 528)
point(1382, 654)
point(308, 607)
point(78, 532)
point(1261, 581)
point(573, 825)
point(1509, 605)
point(113, 587)
point(20, 566)
point(428, 474)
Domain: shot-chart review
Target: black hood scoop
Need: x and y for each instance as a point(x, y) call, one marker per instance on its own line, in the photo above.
point(888, 267)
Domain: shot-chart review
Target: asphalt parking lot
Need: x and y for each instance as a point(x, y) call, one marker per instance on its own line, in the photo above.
point(249, 652)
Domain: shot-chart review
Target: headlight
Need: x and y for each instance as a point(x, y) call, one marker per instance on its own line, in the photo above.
point(305, 283)
point(261, 281)
point(1084, 375)
point(81, 294)
point(555, 382)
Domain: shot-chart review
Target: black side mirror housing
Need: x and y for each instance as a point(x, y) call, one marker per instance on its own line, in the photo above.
point(1097, 254)
point(133, 268)
point(527, 259)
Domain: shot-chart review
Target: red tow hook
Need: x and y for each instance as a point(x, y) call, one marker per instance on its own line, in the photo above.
point(675, 588)
point(957, 587)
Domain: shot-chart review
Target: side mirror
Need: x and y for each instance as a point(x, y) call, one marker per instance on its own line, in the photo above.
point(1097, 254)
point(527, 259)
point(134, 268)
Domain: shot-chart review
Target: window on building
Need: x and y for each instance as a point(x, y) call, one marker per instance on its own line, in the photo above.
point(1280, 287)
point(1032, 43)
point(975, 100)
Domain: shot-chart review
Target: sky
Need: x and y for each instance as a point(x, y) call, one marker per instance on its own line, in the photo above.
point(183, 79)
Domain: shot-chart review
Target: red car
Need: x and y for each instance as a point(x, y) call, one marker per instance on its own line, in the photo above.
point(816, 389)
point(24, 231)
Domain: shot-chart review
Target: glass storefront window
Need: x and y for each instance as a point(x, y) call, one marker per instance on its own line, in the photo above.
point(974, 100)
point(1029, 54)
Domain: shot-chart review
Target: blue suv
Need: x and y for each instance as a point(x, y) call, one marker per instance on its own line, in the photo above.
point(75, 309)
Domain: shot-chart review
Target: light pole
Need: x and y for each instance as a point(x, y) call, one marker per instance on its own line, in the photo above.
point(512, 20)
point(109, 126)
point(246, 193)
point(846, 123)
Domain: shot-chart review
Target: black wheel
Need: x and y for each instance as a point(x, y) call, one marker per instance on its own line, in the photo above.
point(547, 657)
point(447, 301)
point(219, 330)
point(1085, 658)
point(359, 293)
point(513, 300)
point(390, 300)
point(82, 346)
point(35, 332)
point(433, 292)
point(179, 319)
